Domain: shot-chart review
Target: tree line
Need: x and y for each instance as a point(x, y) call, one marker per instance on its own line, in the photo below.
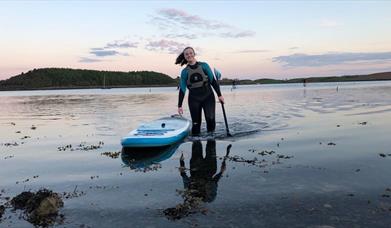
point(53, 78)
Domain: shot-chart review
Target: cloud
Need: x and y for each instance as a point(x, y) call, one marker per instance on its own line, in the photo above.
point(89, 60)
point(164, 23)
point(298, 60)
point(251, 51)
point(174, 16)
point(169, 46)
point(237, 34)
point(121, 44)
point(174, 20)
point(104, 53)
point(97, 49)
point(187, 36)
point(293, 48)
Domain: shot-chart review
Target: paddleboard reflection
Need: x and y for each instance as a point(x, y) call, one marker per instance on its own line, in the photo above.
point(147, 157)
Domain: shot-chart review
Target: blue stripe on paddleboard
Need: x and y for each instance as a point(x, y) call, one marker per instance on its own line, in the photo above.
point(152, 142)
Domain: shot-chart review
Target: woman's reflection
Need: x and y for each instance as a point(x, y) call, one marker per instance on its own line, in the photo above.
point(201, 186)
point(203, 179)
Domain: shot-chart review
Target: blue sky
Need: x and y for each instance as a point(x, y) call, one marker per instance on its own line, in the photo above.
point(243, 39)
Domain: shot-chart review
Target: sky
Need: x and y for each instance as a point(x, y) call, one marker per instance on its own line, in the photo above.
point(242, 39)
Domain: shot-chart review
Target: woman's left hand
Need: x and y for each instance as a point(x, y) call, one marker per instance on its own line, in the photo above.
point(221, 99)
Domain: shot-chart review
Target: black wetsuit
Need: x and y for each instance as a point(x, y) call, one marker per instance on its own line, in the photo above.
point(199, 79)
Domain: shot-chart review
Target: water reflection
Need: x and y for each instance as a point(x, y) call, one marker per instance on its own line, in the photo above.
point(146, 159)
point(203, 178)
point(201, 185)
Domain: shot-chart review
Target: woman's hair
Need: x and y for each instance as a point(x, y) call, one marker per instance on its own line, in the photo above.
point(181, 58)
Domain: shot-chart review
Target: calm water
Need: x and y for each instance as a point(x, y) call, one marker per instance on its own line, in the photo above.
point(316, 156)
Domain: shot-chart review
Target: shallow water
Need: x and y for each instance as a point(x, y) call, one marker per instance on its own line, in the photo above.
point(316, 156)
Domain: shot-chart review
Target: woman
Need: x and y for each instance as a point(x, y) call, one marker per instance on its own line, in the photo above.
point(198, 78)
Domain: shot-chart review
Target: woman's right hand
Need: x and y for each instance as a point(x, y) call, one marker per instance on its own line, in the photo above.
point(221, 99)
point(180, 110)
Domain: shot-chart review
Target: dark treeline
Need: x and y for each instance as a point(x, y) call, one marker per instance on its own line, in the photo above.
point(368, 77)
point(57, 78)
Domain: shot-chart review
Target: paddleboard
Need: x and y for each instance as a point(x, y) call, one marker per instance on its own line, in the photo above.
point(161, 132)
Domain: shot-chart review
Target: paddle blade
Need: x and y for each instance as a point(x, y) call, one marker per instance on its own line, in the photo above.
point(217, 74)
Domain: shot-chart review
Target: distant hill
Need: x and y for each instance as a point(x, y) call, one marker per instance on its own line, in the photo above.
point(63, 78)
point(367, 77)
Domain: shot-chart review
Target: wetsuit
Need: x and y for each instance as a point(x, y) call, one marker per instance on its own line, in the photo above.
point(198, 78)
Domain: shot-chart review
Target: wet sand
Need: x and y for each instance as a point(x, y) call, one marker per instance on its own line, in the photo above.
point(316, 157)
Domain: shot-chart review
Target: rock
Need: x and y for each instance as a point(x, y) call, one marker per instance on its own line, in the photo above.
point(41, 208)
point(49, 205)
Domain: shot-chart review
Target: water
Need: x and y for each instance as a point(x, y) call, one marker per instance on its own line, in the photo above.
point(301, 157)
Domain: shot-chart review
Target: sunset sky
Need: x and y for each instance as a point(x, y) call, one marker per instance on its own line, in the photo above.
point(243, 39)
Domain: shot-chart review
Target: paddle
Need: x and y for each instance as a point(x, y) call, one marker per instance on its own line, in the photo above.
point(218, 77)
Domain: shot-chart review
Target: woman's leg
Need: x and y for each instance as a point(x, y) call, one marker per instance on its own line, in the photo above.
point(209, 106)
point(196, 117)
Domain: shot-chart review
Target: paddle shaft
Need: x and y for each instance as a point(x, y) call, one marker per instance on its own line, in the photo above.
point(225, 119)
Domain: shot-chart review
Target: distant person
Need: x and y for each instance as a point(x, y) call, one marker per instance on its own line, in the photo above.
point(234, 84)
point(199, 79)
point(304, 82)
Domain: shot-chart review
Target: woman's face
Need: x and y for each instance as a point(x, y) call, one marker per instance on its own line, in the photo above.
point(189, 55)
